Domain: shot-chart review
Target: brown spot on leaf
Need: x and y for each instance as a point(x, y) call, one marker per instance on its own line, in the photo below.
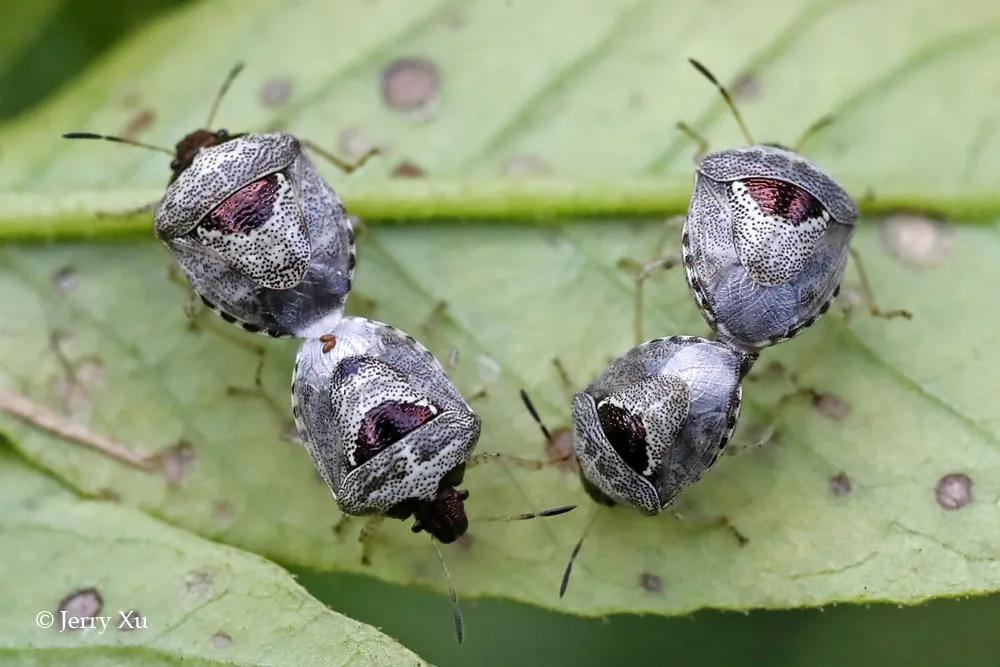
point(650, 582)
point(177, 463)
point(77, 606)
point(916, 240)
point(198, 583)
point(840, 485)
point(139, 122)
point(275, 92)
point(523, 166)
point(954, 491)
point(410, 83)
point(221, 640)
point(65, 280)
point(407, 169)
point(747, 86)
point(831, 406)
point(223, 511)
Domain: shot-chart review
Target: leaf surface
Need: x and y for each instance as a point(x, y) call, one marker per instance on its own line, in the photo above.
point(98, 331)
point(166, 597)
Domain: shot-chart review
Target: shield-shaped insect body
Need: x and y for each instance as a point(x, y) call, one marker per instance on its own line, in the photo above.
point(765, 243)
point(386, 428)
point(260, 235)
point(657, 419)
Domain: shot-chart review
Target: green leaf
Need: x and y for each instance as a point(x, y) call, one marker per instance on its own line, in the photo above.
point(521, 91)
point(193, 601)
point(144, 377)
point(46, 43)
point(98, 332)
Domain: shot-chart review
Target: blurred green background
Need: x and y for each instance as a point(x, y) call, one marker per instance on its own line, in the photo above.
point(44, 44)
point(945, 632)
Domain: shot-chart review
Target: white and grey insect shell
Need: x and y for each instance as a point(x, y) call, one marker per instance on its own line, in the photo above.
point(686, 391)
point(757, 279)
point(372, 363)
point(289, 276)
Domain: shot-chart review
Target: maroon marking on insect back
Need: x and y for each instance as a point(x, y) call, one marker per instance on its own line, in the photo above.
point(246, 209)
point(781, 198)
point(626, 434)
point(386, 424)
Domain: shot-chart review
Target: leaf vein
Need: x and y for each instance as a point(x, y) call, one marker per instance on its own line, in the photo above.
point(586, 60)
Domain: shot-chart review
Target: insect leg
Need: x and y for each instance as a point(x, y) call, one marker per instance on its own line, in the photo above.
point(695, 519)
point(346, 166)
point(868, 295)
point(367, 536)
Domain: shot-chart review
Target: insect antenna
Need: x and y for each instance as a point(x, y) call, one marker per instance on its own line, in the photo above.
point(810, 132)
point(534, 415)
point(523, 516)
point(117, 140)
point(694, 136)
point(456, 611)
point(576, 552)
point(726, 96)
point(223, 89)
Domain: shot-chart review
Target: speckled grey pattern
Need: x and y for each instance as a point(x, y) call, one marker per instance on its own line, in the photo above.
point(373, 363)
point(773, 162)
point(289, 276)
point(218, 172)
point(276, 254)
point(757, 278)
point(686, 392)
point(773, 251)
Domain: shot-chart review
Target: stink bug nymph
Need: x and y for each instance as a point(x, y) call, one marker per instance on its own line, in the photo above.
point(766, 238)
point(655, 421)
point(386, 429)
point(258, 233)
point(389, 433)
